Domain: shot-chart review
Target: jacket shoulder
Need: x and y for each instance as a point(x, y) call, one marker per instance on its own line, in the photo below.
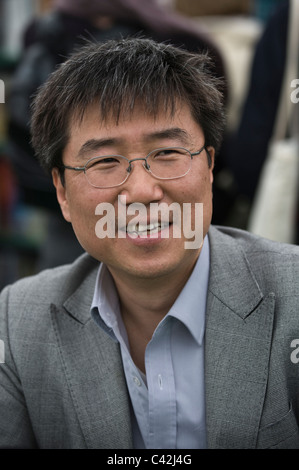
point(51, 285)
point(275, 265)
point(251, 243)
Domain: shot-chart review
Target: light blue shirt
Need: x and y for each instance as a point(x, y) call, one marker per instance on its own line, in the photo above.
point(168, 403)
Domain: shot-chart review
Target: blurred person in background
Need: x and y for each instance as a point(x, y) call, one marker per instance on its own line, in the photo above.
point(263, 9)
point(249, 146)
point(48, 41)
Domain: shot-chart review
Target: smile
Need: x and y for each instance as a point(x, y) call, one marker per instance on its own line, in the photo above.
point(145, 230)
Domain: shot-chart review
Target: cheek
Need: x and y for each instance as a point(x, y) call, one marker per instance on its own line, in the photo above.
point(84, 216)
point(202, 193)
point(200, 189)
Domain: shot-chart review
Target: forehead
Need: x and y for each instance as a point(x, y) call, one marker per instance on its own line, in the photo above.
point(137, 120)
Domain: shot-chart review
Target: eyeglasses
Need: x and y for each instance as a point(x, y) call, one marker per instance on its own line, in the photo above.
point(110, 171)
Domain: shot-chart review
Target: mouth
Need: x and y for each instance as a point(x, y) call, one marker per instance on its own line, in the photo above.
point(146, 230)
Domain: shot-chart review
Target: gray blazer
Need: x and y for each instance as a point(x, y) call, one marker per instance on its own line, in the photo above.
point(62, 383)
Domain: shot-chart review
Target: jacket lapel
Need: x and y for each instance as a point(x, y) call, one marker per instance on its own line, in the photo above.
point(93, 370)
point(237, 346)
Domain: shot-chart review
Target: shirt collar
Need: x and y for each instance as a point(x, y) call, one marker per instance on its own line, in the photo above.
point(189, 307)
point(105, 308)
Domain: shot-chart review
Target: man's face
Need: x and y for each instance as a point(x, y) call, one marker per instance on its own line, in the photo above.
point(134, 137)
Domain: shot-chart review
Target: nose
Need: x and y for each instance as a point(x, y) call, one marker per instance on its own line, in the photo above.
point(141, 186)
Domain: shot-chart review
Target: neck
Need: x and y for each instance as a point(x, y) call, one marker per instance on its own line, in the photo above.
point(144, 303)
point(153, 297)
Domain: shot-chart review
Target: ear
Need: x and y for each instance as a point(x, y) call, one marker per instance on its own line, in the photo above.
point(61, 194)
point(211, 157)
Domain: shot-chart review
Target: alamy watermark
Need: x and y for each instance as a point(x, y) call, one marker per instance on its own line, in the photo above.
point(2, 352)
point(2, 92)
point(295, 353)
point(295, 93)
point(161, 220)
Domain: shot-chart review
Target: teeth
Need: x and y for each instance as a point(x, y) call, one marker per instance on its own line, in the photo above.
point(142, 230)
point(141, 227)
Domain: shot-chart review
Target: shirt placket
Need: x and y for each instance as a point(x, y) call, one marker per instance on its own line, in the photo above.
point(161, 389)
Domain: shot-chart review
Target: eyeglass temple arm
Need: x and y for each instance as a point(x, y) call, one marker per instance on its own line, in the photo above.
point(208, 153)
point(76, 168)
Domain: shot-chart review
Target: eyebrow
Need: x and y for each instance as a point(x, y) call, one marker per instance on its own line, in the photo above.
point(172, 133)
point(96, 144)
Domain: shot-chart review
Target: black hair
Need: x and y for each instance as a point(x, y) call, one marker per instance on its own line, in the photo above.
point(117, 75)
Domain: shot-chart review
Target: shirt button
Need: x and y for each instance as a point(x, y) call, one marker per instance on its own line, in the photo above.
point(137, 381)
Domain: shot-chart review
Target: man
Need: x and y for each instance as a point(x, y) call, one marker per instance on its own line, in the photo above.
point(146, 342)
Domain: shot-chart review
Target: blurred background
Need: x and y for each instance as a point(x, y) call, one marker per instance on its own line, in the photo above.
point(36, 35)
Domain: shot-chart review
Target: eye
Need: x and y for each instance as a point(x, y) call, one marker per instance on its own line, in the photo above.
point(104, 163)
point(168, 153)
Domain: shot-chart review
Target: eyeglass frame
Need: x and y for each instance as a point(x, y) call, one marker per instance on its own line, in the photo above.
point(145, 166)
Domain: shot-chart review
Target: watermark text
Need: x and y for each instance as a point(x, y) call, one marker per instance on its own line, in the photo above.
point(295, 93)
point(295, 353)
point(2, 92)
point(2, 352)
point(160, 220)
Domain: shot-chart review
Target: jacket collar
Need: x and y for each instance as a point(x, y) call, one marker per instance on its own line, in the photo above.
point(231, 277)
point(230, 273)
point(81, 289)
